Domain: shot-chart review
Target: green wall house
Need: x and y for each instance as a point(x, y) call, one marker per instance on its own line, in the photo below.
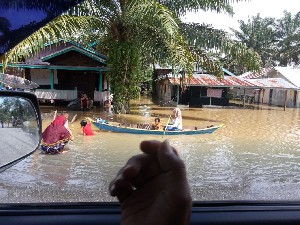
point(64, 70)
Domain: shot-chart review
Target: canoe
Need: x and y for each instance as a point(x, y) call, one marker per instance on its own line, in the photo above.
point(123, 129)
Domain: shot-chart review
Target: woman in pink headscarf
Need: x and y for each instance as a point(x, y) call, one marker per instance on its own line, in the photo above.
point(177, 122)
point(56, 136)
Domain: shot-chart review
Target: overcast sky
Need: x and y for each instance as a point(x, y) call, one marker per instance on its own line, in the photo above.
point(243, 11)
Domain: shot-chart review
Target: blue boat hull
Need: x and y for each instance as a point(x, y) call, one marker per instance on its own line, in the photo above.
point(119, 129)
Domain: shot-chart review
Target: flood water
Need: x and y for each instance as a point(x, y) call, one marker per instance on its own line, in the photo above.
point(255, 156)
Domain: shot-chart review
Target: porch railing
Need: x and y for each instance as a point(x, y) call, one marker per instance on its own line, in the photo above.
point(101, 96)
point(51, 94)
point(68, 95)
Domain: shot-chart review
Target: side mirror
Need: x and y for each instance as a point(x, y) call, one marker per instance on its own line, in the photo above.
point(20, 127)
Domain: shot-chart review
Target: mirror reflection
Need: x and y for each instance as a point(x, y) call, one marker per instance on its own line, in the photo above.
point(19, 129)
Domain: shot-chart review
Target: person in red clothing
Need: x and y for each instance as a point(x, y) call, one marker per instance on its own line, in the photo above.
point(86, 128)
point(56, 135)
point(84, 101)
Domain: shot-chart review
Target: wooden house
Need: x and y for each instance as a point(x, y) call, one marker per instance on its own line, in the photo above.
point(63, 70)
point(204, 89)
point(286, 94)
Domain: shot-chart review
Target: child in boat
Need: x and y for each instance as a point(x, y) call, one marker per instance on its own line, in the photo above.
point(86, 128)
point(156, 125)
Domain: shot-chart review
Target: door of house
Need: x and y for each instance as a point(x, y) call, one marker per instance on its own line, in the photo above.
point(295, 98)
point(270, 96)
point(84, 81)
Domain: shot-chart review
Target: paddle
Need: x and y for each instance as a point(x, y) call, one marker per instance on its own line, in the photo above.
point(54, 115)
point(74, 118)
point(166, 127)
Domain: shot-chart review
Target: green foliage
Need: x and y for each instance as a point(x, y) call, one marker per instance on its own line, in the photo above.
point(277, 42)
point(211, 46)
point(137, 34)
point(288, 35)
point(258, 34)
point(14, 108)
point(125, 64)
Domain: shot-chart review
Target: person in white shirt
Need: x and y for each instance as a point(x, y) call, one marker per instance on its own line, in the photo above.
point(177, 122)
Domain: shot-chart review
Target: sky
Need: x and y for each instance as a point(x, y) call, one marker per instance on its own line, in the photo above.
point(243, 11)
point(21, 17)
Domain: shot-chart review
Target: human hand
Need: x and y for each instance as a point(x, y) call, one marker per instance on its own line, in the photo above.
point(152, 187)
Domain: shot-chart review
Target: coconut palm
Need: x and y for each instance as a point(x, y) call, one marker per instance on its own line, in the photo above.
point(259, 34)
point(288, 47)
point(135, 34)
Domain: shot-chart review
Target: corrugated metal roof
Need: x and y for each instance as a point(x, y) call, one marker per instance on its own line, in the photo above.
point(254, 75)
point(273, 83)
point(291, 74)
point(231, 81)
point(210, 80)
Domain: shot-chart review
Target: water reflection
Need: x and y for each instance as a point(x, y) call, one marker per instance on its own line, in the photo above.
point(255, 156)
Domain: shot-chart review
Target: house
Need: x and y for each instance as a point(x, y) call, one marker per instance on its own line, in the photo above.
point(204, 89)
point(198, 90)
point(285, 95)
point(63, 70)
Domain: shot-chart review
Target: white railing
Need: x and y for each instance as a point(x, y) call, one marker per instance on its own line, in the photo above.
point(101, 96)
point(68, 95)
point(51, 94)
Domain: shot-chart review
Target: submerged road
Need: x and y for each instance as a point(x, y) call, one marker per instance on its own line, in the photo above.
point(15, 143)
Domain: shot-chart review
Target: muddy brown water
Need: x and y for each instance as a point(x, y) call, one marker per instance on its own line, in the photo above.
point(255, 156)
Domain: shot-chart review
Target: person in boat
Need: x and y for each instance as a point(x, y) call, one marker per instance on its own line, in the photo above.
point(56, 135)
point(84, 102)
point(152, 187)
point(157, 125)
point(86, 128)
point(177, 122)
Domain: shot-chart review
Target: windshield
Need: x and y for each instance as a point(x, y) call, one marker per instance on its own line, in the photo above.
point(240, 131)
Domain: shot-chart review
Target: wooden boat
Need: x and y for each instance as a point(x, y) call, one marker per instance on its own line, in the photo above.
point(124, 129)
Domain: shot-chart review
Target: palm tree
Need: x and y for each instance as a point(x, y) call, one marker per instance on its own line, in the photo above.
point(288, 48)
point(135, 34)
point(259, 34)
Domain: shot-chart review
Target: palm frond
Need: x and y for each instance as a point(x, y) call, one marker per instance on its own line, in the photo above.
point(181, 7)
point(63, 27)
point(206, 38)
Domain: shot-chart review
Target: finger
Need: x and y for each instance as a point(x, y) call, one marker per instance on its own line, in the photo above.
point(120, 188)
point(134, 165)
point(147, 174)
point(163, 151)
point(150, 147)
point(168, 157)
point(125, 176)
